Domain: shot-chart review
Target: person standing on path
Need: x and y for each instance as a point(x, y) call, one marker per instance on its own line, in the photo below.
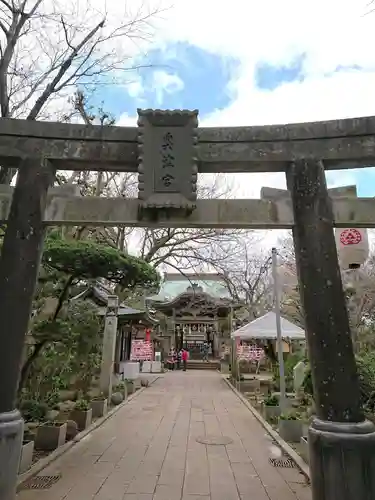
point(179, 358)
point(205, 351)
point(184, 357)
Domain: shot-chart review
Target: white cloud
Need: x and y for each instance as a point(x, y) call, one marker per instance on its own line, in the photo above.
point(331, 35)
point(165, 83)
point(135, 89)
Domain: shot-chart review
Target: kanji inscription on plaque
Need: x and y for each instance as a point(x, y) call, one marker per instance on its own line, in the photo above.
point(167, 170)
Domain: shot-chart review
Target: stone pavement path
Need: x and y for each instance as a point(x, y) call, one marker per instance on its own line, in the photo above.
point(149, 450)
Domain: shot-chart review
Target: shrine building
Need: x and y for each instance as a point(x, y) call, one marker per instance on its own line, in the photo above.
point(197, 308)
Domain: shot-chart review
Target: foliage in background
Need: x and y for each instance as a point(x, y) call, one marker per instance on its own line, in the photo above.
point(366, 375)
point(57, 323)
point(71, 357)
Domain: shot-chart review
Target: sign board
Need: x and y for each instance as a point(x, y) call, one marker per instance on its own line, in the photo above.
point(141, 350)
point(250, 353)
point(167, 166)
point(352, 246)
point(286, 347)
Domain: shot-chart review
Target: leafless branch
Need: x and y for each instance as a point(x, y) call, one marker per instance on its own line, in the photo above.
point(49, 50)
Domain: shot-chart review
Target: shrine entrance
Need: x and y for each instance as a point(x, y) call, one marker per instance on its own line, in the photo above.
point(192, 305)
point(168, 150)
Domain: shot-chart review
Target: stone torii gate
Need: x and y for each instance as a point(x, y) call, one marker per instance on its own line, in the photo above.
point(168, 150)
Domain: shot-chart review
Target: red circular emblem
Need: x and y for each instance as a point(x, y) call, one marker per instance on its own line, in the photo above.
point(350, 237)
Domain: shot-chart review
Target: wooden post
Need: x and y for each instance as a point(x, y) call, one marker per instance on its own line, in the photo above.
point(19, 267)
point(342, 443)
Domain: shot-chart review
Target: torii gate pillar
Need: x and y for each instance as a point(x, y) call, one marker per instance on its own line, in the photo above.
point(341, 440)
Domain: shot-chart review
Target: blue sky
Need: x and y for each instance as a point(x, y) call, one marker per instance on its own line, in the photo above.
point(180, 74)
point(197, 79)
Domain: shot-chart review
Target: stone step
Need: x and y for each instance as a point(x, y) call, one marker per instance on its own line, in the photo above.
point(201, 365)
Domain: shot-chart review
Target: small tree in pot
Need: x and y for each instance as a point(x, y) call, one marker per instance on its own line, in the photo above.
point(123, 388)
point(271, 407)
point(50, 435)
point(82, 414)
point(99, 405)
point(130, 386)
point(290, 426)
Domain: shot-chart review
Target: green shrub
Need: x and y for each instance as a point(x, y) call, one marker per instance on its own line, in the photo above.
point(33, 411)
point(271, 401)
point(307, 383)
point(290, 415)
point(82, 405)
point(366, 376)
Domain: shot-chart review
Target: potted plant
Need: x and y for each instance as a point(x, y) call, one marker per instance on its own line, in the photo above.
point(137, 384)
point(290, 426)
point(82, 414)
point(27, 451)
point(130, 386)
point(123, 388)
point(99, 405)
point(271, 407)
point(50, 435)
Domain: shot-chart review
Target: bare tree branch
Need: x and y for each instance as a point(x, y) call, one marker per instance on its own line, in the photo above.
point(49, 50)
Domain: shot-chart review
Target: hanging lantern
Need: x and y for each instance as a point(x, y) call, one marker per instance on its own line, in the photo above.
point(352, 246)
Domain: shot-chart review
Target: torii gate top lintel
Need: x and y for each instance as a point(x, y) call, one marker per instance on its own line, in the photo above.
point(348, 143)
point(168, 150)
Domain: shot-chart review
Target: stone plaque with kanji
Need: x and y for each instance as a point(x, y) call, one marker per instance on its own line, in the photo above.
point(167, 168)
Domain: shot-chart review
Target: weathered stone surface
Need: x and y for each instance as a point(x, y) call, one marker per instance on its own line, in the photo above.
point(52, 414)
point(334, 374)
point(167, 170)
point(291, 131)
point(273, 194)
point(214, 440)
point(342, 450)
point(11, 434)
point(247, 214)
point(340, 143)
point(71, 429)
point(117, 398)
point(109, 347)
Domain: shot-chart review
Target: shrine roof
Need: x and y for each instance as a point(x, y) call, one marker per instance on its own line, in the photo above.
point(99, 294)
point(174, 285)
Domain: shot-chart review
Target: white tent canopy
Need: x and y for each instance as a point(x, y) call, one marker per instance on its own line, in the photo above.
point(265, 328)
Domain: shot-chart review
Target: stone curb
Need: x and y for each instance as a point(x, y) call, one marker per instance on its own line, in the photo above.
point(301, 464)
point(61, 450)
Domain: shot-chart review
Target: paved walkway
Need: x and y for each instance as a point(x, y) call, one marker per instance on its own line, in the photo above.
point(149, 451)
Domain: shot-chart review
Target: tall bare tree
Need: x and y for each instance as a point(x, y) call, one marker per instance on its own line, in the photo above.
point(189, 249)
point(48, 49)
point(247, 273)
